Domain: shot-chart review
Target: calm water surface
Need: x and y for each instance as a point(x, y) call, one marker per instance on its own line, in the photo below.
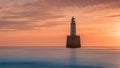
point(59, 57)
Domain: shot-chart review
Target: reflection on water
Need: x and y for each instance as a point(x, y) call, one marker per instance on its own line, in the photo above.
point(73, 61)
point(73, 58)
point(59, 57)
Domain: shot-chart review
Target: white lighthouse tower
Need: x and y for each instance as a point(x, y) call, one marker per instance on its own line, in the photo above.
point(73, 27)
point(73, 41)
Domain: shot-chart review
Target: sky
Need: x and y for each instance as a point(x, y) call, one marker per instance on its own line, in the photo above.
point(47, 22)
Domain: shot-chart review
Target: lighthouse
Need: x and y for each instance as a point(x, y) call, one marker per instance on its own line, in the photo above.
point(73, 40)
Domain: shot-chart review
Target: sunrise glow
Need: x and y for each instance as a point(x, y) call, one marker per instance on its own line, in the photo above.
point(47, 22)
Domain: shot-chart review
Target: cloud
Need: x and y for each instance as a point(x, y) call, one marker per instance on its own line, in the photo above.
point(52, 23)
point(78, 3)
point(11, 17)
point(41, 10)
point(26, 25)
point(17, 25)
point(114, 15)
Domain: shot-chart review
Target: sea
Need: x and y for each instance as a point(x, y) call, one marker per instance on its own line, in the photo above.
point(59, 57)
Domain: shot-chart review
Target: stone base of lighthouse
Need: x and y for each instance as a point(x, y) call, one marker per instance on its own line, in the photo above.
point(73, 42)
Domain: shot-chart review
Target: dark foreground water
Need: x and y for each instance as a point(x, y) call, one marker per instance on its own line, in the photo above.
point(59, 57)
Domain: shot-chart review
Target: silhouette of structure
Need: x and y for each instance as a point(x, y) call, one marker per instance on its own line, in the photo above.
point(73, 41)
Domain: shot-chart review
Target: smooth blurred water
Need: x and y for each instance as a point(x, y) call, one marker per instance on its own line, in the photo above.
point(59, 57)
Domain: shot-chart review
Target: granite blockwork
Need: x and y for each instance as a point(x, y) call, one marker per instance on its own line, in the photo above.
point(73, 42)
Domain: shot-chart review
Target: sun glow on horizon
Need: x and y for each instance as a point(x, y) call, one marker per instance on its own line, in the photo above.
point(45, 22)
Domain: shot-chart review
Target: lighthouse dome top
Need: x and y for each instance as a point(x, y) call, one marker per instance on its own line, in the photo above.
point(73, 20)
point(73, 17)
